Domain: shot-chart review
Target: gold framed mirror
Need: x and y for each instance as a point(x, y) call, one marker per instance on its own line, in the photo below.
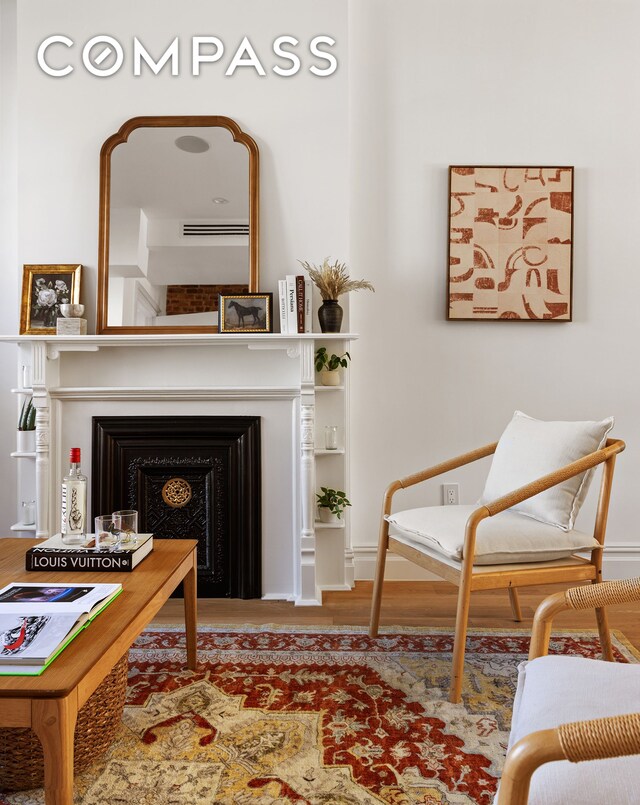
point(179, 223)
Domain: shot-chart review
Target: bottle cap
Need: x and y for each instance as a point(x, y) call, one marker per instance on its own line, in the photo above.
point(74, 455)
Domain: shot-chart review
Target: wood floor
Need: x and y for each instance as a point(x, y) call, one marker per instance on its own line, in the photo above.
point(404, 603)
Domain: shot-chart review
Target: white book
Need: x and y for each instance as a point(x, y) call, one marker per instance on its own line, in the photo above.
point(308, 306)
point(282, 296)
point(292, 313)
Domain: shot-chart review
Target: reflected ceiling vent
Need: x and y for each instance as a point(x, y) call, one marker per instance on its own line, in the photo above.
point(207, 230)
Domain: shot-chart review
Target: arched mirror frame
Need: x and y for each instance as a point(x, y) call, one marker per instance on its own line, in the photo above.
point(122, 136)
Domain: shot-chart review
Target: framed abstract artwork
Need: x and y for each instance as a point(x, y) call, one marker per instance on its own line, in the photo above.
point(510, 243)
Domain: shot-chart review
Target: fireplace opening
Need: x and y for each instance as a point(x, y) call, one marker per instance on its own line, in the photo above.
point(189, 477)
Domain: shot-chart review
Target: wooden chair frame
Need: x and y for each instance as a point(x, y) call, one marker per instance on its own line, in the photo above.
point(578, 741)
point(470, 577)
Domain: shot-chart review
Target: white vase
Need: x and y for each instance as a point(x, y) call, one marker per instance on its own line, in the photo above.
point(330, 377)
point(325, 515)
point(26, 441)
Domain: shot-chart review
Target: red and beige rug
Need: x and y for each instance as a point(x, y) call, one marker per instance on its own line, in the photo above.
point(322, 716)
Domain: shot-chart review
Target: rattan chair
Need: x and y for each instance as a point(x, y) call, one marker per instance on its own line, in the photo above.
point(615, 736)
point(469, 576)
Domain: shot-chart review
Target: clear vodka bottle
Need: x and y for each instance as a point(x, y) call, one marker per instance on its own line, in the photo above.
point(74, 502)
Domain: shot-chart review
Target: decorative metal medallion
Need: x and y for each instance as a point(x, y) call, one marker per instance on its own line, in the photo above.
point(176, 493)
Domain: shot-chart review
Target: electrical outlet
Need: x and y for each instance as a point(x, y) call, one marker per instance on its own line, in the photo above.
point(450, 494)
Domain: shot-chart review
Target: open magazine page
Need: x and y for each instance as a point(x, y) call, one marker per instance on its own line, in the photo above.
point(37, 618)
point(37, 598)
point(29, 638)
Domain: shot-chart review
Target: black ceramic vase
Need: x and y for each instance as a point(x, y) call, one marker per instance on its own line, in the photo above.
point(330, 316)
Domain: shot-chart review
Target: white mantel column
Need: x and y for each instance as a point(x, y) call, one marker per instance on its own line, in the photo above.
point(309, 593)
point(42, 404)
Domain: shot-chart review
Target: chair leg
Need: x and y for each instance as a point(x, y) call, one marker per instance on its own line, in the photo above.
point(605, 634)
point(462, 619)
point(376, 598)
point(515, 604)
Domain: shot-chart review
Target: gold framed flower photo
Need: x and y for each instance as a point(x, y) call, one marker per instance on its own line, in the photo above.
point(44, 289)
point(245, 313)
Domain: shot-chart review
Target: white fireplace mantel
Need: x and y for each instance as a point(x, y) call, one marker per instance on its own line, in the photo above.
point(272, 375)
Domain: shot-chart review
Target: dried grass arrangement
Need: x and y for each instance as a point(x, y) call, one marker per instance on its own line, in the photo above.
point(333, 280)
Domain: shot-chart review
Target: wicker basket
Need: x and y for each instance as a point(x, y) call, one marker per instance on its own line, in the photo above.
point(21, 758)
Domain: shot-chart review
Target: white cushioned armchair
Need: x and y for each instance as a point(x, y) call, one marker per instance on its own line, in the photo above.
point(570, 710)
point(522, 530)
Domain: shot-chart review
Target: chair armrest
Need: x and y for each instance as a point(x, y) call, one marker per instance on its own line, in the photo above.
point(446, 466)
point(578, 741)
point(585, 597)
point(432, 472)
point(556, 477)
point(590, 596)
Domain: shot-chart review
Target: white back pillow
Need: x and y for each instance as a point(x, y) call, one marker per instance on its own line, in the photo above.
point(530, 448)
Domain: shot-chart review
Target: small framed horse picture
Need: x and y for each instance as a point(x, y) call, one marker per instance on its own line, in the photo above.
point(246, 313)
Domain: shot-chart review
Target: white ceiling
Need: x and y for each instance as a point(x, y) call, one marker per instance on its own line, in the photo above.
point(150, 172)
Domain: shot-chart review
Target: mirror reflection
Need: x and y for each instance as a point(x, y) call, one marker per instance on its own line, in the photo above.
point(178, 227)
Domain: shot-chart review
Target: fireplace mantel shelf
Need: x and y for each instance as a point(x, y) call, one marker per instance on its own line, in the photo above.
point(92, 343)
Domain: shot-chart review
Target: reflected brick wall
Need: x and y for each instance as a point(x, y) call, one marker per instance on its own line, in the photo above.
point(198, 298)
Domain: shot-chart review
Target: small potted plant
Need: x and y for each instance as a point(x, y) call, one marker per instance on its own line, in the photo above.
point(27, 427)
point(332, 281)
point(331, 504)
point(328, 366)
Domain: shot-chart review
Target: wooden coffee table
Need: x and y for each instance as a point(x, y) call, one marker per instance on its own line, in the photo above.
point(49, 703)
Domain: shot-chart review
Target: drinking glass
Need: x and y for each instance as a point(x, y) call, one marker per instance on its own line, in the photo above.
point(28, 512)
point(107, 532)
point(331, 437)
point(126, 521)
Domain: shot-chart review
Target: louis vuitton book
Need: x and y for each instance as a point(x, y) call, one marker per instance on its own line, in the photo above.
point(53, 554)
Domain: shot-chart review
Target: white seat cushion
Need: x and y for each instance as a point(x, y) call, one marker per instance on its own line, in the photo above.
point(506, 538)
point(529, 449)
point(556, 690)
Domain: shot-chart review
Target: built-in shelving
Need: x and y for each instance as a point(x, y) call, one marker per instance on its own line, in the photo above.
point(25, 470)
point(332, 468)
point(23, 527)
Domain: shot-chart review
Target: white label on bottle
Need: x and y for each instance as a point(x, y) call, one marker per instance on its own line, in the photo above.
point(73, 508)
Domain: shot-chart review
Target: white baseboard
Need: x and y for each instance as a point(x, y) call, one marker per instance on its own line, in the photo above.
point(332, 587)
point(621, 561)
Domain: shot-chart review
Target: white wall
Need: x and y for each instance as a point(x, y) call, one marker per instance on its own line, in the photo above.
point(496, 82)
point(10, 296)
point(358, 169)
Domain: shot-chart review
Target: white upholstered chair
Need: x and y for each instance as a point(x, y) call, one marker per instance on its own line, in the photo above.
point(522, 530)
point(574, 709)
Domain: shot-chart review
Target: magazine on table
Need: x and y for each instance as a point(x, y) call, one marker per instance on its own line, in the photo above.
point(37, 620)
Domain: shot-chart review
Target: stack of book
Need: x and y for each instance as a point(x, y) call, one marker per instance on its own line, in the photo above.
point(54, 554)
point(296, 295)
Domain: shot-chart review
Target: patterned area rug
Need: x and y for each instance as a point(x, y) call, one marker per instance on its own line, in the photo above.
point(321, 716)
